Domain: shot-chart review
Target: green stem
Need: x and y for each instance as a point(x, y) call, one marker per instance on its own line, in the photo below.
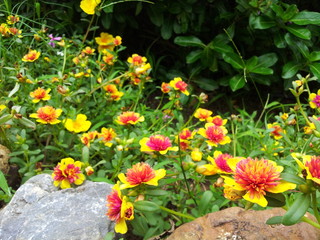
point(64, 59)
point(177, 213)
point(314, 206)
point(309, 221)
point(107, 82)
point(301, 110)
point(88, 29)
point(191, 117)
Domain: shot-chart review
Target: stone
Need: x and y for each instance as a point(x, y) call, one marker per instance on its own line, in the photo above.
point(39, 210)
point(4, 159)
point(238, 224)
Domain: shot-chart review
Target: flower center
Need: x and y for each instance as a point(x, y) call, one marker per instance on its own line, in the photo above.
point(314, 167)
point(114, 206)
point(316, 100)
point(215, 134)
point(48, 114)
point(221, 162)
point(140, 173)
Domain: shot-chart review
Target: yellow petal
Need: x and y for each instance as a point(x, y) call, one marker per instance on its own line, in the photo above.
point(258, 199)
point(282, 187)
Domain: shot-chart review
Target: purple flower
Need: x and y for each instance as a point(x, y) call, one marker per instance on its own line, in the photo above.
point(52, 39)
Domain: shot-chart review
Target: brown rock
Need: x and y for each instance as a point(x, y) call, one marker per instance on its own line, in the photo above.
point(4, 157)
point(238, 224)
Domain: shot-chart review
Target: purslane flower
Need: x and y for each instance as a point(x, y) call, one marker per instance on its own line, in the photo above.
point(156, 143)
point(141, 173)
point(311, 165)
point(80, 124)
point(314, 100)
point(53, 39)
point(216, 135)
point(202, 114)
point(40, 94)
point(89, 137)
point(223, 162)
point(47, 115)
point(89, 6)
point(129, 118)
point(277, 131)
point(120, 209)
point(256, 178)
point(107, 135)
point(31, 56)
point(179, 85)
point(68, 172)
point(217, 120)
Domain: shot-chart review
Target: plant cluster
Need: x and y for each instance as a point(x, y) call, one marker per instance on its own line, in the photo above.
point(79, 109)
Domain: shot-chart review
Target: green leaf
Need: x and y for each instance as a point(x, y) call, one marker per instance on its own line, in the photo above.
point(292, 178)
point(27, 122)
point(207, 84)
point(314, 56)
point(237, 82)
point(262, 71)
point(297, 210)
point(315, 69)
point(85, 154)
point(4, 185)
point(5, 118)
point(157, 192)
point(275, 199)
point(261, 22)
point(290, 69)
point(267, 60)
point(306, 17)
point(193, 56)
point(14, 90)
point(166, 29)
point(146, 206)
point(252, 63)
point(218, 44)
point(302, 48)
point(208, 58)
point(300, 32)
point(155, 15)
point(290, 12)
point(189, 41)
point(274, 220)
point(205, 201)
point(234, 59)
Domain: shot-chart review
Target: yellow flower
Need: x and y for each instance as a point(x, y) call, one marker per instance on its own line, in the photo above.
point(196, 155)
point(310, 164)
point(79, 125)
point(89, 6)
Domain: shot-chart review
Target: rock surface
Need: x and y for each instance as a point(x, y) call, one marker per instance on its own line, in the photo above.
point(4, 157)
point(237, 224)
point(38, 210)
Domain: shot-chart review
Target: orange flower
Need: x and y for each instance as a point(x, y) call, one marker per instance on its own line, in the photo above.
point(105, 42)
point(47, 115)
point(31, 56)
point(141, 173)
point(256, 177)
point(136, 60)
point(107, 135)
point(89, 137)
point(129, 118)
point(202, 114)
point(157, 143)
point(88, 50)
point(215, 134)
point(117, 41)
point(40, 94)
point(165, 87)
point(179, 85)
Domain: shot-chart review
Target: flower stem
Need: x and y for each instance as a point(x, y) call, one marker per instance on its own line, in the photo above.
point(88, 29)
point(177, 213)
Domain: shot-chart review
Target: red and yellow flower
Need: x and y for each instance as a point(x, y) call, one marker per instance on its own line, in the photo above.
point(277, 131)
point(89, 137)
point(47, 115)
point(179, 85)
point(141, 173)
point(314, 100)
point(31, 56)
point(105, 42)
point(40, 94)
point(129, 118)
point(156, 143)
point(256, 178)
point(80, 124)
point(137, 60)
point(68, 172)
point(223, 162)
point(107, 135)
point(120, 209)
point(165, 87)
point(202, 114)
point(216, 135)
point(88, 50)
point(310, 164)
point(217, 120)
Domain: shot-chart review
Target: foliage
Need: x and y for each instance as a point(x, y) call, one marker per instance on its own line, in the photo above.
point(75, 105)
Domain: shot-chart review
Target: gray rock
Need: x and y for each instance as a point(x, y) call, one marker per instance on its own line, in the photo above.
point(39, 210)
